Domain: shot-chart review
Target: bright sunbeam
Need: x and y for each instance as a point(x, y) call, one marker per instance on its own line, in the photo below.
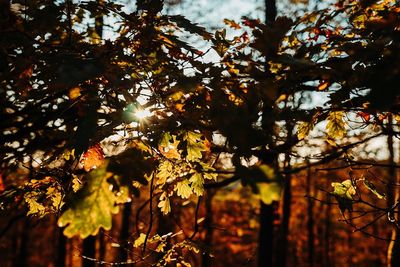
point(142, 114)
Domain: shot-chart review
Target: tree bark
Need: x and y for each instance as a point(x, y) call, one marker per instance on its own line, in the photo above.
point(125, 232)
point(327, 235)
point(310, 220)
point(270, 10)
point(89, 250)
point(393, 252)
point(266, 235)
point(287, 199)
point(21, 258)
point(206, 260)
point(61, 248)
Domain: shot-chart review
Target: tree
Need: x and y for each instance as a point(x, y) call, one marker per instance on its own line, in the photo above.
point(106, 118)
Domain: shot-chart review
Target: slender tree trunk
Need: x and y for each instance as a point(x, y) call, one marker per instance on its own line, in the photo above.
point(21, 260)
point(89, 250)
point(327, 235)
point(287, 199)
point(270, 10)
point(89, 244)
point(266, 234)
point(61, 248)
point(206, 260)
point(102, 246)
point(125, 232)
point(310, 220)
point(393, 252)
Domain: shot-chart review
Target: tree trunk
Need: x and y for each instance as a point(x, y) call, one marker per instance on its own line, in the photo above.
point(89, 250)
point(327, 234)
point(287, 199)
point(270, 10)
point(266, 234)
point(102, 246)
point(21, 259)
point(61, 249)
point(393, 252)
point(310, 220)
point(125, 232)
point(206, 260)
point(89, 244)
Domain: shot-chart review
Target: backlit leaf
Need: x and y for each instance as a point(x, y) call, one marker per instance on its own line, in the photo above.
point(197, 183)
point(269, 192)
point(195, 145)
point(35, 208)
point(183, 189)
point(92, 158)
point(344, 189)
point(164, 204)
point(92, 206)
point(336, 126)
point(371, 187)
point(304, 129)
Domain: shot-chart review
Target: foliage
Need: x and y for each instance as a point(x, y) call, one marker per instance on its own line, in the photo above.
point(92, 208)
point(70, 99)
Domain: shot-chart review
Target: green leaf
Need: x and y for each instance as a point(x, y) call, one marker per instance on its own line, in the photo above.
point(183, 189)
point(269, 192)
point(336, 126)
point(92, 207)
point(371, 187)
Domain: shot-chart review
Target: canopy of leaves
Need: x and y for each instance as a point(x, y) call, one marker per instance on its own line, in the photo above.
point(64, 91)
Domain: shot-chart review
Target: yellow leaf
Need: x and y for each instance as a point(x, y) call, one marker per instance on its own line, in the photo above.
point(164, 172)
point(74, 93)
point(304, 129)
point(336, 126)
point(139, 241)
point(76, 183)
point(164, 204)
point(35, 208)
point(269, 192)
point(197, 181)
point(55, 196)
point(183, 189)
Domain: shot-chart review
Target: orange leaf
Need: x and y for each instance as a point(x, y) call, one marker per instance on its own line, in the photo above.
point(2, 187)
point(74, 93)
point(323, 85)
point(364, 115)
point(92, 158)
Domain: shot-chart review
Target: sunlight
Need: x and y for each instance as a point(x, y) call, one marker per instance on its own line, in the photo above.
point(142, 114)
